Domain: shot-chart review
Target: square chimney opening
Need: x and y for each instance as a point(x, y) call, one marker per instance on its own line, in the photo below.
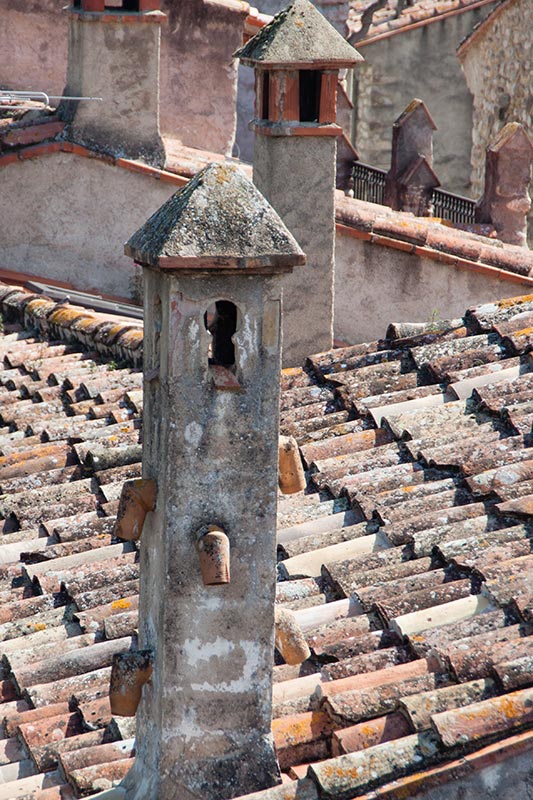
point(309, 95)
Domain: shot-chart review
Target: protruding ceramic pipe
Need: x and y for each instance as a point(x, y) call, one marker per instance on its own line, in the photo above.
point(213, 550)
point(289, 638)
point(291, 471)
point(137, 499)
point(129, 673)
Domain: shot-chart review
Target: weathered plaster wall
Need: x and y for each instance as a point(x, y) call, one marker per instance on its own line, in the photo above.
point(418, 63)
point(375, 285)
point(68, 218)
point(497, 65)
point(33, 45)
point(198, 74)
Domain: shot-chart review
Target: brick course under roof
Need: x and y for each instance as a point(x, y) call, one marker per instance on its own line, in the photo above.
point(407, 560)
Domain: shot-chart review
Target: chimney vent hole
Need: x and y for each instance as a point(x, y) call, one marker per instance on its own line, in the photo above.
point(309, 91)
point(220, 320)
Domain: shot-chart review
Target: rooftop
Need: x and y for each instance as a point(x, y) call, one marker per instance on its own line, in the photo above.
point(387, 22)
point(407, 560)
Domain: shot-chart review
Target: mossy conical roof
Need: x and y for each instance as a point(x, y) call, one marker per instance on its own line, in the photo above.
point(218, 220)
point(299, 35)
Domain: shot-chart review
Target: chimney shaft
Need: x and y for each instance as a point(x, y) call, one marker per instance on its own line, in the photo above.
point(506, 202)
point(410, 182)
point(113, 54)
point(212, 316)
point(297, 58)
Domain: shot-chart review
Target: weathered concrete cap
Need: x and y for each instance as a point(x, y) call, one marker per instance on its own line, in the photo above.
point(512, 135)
point(217, 221)
point(299, 36)
point(417, 112)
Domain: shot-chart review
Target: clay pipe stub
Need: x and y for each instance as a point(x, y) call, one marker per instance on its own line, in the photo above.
point(214, 554)
point(137, 499)
point(289, 638)
point(291, 471)
point(129, 672)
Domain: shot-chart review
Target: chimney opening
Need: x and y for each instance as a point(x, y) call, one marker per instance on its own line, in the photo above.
point(265, 95)
point(309, 91)
point(220, 320)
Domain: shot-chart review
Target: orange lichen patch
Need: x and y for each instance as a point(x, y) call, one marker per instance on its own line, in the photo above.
point(289, 372)
point(64, 315)
point(87, 321)
point(299, 728)
point(114, 332)
point(38, 304)
point(40, 626)
point(514, 301)
point(130, 339)
point(480, 720)
point(122, 603)
point(407, 489)
point(523, 332)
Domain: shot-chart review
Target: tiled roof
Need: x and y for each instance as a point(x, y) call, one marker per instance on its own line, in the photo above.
point(482, 26)
point(385, 21)
point(407, 561)
point(431, 238)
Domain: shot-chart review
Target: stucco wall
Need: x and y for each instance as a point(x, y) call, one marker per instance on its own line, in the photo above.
point(418, 63)
point(375, 285)
point(33, 45)
point(497, 65)
point(68, 218)
point(198, 74)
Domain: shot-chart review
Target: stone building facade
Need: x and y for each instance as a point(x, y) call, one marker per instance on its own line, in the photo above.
point(497, 61)
point(418, 61)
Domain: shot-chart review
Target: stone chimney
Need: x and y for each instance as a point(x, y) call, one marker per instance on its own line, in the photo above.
point(297, 58)
point(113, 53)
point(506, 202)
point(410, 182)
point(212, 258)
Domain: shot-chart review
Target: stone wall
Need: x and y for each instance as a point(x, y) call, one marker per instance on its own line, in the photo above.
point(375, 285)
point(497, 64)
point(198, 74)
point(68, 218)
point(418, 63)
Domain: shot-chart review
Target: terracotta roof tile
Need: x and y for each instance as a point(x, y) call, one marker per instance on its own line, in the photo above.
point(422, 489)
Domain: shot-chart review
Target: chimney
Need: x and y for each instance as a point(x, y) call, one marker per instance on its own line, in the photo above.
point(212, 257)
point(410, 182)
point(506, 202)
point(113, 54)
point(297, 58)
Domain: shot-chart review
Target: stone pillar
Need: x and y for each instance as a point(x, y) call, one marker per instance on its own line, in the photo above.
point(212, 258)
point(410, 182)
point(506, 202)
point(297, 58)
point(113, 54)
